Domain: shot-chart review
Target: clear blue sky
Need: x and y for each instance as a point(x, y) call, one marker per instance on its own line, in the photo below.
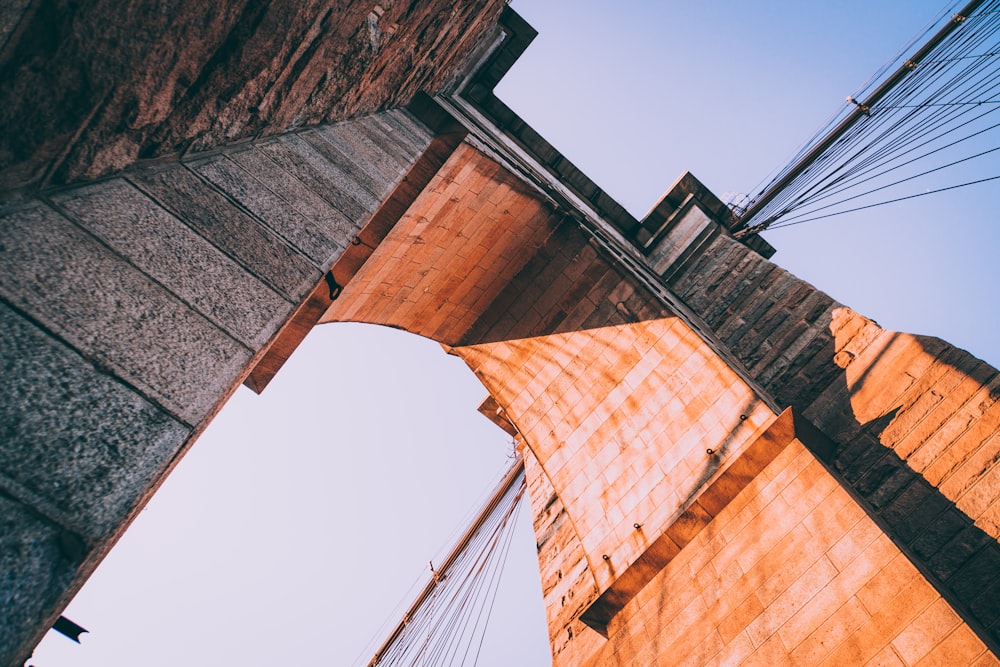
point(304, 515)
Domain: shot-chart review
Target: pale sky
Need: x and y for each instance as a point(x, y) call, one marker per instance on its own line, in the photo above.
point(303, 516)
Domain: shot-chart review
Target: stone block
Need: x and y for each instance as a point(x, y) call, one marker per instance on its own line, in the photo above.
point(359, 163)
point(866, 452)
point(319, 242)
point(925, 632)
point(113, 314)
point(35, 570)
point(74, 441)
point(390, 140)
point(746, 294)
point(375, 154)
point(666, 252)
point(917, 494)
point(935, 534)
point(986, 607)
point(318, 173)
point(185, 263)
point(325, 219)
point(961, 647)
point(883, 481)
point(228, 227)
point(982, 568)
point(408, 133)
point(958, 551)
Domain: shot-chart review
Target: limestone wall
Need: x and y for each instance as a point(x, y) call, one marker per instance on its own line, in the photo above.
point(915, 419)
point(879, 544)
point(132, 307)
point(791, 572)
point(642, 436)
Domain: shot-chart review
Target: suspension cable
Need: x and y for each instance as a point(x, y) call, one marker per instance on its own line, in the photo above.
point(450, 614)
point(937, 100)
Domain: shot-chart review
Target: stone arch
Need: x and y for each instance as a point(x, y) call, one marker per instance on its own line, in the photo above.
point(340, 547)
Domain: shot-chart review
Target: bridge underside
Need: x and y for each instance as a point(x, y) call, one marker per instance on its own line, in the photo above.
point(677, 512)
point(725, 465)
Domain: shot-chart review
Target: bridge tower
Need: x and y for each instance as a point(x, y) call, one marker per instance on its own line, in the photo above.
point(724, 464)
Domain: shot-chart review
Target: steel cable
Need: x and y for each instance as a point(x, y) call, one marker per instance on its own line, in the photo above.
point(931, 113)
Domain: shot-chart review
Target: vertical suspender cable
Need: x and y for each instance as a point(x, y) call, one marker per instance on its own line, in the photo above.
point(513, 477)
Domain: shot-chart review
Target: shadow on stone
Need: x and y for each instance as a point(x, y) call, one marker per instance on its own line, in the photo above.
point(958, 558)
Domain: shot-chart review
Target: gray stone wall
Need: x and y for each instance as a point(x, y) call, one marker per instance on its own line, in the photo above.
point(130, 309)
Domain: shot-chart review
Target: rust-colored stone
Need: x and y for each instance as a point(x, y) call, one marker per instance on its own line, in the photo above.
point(89, 89)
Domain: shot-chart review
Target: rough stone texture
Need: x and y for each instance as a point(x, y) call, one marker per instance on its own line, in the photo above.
point(396, 132)
point(113, 314)
point(509, 308)
point(36, 567)
point(564, 569)
point(160, 245)
point(228, 228)
point(304, 195)
point(437, 278)
point(690, 554)
point(253, 190)
point(133, 306)
point(89, 89)
point(566, 285)
point(160, 287)
point(75, 442)
point(791, 572)
point(915, 419)
point(618, 419)
point(375, 168)
point(478, 257)
point(333, 180)
point(11, 12)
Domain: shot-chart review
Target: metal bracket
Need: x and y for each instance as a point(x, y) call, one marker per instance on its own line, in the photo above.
point(865, 109)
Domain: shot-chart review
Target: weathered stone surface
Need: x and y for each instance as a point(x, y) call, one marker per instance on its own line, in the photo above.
point(314, 193)
point(331, 180)
point(228, 228)
point(368, 181)
point(319, 242)
point(113, 314)
point(34, 573)
point(398, 132)
point(632, 415)
point(687, 228)
point(374, 155)
point(120, 351)
point(11, 12)
point(897, 404)
point(445, 275)
point(88, 89)
point(616, 418)
point(631, 402)
point(312, 205)
point(74, 441)
point(567, 583)
point(790, 572)
point(164, 248)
